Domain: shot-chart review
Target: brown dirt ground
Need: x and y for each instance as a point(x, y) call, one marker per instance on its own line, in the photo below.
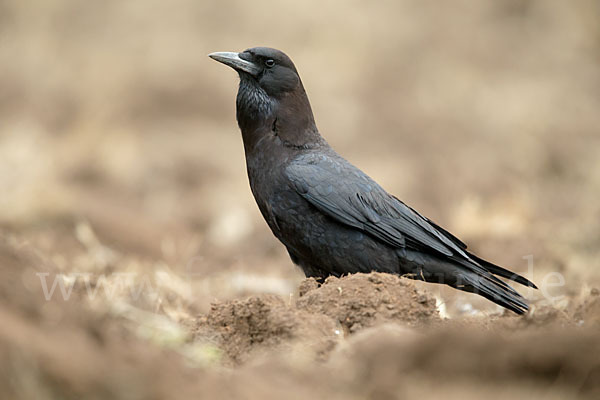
point(361, 336)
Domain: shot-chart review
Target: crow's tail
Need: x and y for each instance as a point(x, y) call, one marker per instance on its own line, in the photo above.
point(471, 275)
point(497, 270)
point(491, 289)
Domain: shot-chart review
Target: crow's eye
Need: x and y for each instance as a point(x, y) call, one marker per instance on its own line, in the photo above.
point(269, 62)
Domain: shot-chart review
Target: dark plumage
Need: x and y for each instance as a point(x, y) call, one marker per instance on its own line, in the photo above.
point(332, 218)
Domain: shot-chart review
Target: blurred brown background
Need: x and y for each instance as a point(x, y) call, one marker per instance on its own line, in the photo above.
point(484, 116)
point(120, 154)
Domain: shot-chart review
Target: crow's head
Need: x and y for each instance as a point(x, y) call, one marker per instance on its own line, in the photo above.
point(269, 69)
point(271, 100)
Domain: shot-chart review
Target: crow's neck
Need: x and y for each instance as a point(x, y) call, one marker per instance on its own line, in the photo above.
point(290, 117)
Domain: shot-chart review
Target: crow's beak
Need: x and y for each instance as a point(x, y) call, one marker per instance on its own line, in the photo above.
point(234, 61)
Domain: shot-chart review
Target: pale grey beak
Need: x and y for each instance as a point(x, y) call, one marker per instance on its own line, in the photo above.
point(234, 61)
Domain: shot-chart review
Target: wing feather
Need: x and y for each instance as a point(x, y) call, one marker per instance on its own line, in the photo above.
point(361, 203)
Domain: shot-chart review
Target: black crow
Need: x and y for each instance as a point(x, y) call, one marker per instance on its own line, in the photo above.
point(332, 218)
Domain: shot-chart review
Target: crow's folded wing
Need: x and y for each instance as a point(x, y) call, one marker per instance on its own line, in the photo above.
point(345, 193)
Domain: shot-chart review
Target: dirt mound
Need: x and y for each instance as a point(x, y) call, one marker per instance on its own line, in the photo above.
point(315, 323)
point(363, 300)
point(245, 328)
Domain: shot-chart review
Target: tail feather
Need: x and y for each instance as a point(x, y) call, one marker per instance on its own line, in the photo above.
point(497, 270)
point(493, 268)
point(492, 291)
point(469, 275)
point(482, 272)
